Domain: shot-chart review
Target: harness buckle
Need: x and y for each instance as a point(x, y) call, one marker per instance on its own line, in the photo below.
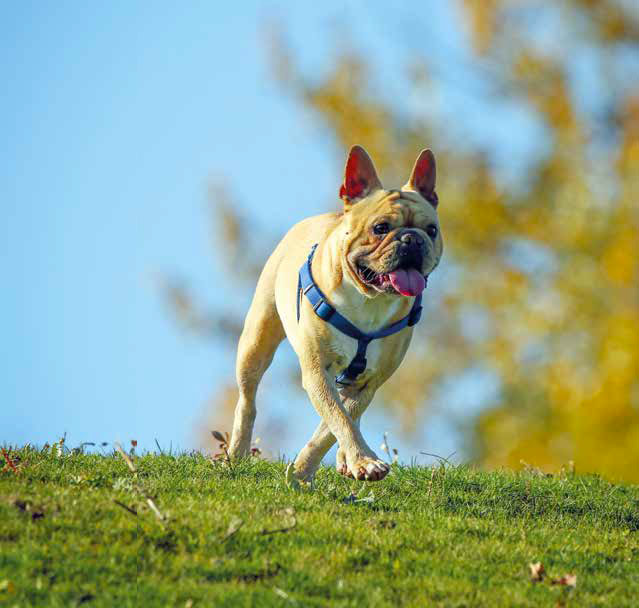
point(323, 310)
point(357, 366)
point(348, 376)
point(343, 380)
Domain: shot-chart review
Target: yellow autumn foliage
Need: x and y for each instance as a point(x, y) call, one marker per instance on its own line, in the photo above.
point(562, 339)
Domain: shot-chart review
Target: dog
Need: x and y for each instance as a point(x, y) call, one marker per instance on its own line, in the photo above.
point(345, 289)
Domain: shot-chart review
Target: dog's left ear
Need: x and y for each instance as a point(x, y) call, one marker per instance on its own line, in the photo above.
point(422, 179)
point(360, 177)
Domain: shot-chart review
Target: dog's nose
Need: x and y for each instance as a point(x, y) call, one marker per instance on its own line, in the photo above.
point(411, 238)
point(411, 249)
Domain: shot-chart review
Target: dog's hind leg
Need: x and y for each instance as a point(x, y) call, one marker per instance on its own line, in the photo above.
point(309, 458)
point(260, 338)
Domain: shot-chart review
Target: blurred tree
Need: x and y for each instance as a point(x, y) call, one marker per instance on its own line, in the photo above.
point(541, 281)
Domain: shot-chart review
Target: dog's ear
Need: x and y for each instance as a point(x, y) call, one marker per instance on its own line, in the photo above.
point(360, 177)
point(422, 179)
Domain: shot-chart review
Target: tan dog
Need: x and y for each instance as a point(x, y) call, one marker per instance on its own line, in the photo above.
point(370, 263)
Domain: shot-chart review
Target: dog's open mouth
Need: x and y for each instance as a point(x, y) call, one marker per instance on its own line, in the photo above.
point(405, 281)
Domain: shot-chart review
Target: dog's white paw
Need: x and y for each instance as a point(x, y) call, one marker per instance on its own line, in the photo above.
point(369, 469)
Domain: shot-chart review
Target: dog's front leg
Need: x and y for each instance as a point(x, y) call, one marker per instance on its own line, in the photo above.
point(360, 459)
point(311, 455)
point(355, 403)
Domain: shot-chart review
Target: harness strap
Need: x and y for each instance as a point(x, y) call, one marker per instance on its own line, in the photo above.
point(325, 311)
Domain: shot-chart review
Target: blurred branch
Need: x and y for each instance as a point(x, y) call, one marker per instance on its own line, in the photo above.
point(191, 318)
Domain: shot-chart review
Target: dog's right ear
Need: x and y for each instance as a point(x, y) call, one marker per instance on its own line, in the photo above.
point(360, 177)
point(422, 178)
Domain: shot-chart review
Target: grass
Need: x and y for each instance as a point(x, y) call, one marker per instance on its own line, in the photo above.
point(77, 529)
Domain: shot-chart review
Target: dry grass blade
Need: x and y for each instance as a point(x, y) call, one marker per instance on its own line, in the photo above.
point(235, 524)
point(124, 455)
point(441, 459)
point(285, 596)
point(126, 507)
point(430, 483)
point(147, 498)
point(155, 510)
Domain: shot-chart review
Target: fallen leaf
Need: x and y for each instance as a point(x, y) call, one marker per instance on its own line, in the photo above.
point(537, 572)
point(349, 500)
point(37, 514)
point(28, 507)
point(87, 597)
point(23, 505)
point(8, 586)
point(567, 580)
point(10, 465)
point(218, 436)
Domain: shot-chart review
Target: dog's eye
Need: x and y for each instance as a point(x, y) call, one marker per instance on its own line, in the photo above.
point(431, 231)
point(382, 228)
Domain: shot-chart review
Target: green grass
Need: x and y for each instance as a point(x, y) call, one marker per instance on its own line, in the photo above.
point(442, 536)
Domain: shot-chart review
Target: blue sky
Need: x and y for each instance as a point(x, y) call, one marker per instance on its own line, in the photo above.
point(115, 117)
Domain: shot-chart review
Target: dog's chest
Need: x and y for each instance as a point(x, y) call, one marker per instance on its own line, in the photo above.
point(344, 349)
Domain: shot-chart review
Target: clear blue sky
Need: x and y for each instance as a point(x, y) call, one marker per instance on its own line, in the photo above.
point(114, 118)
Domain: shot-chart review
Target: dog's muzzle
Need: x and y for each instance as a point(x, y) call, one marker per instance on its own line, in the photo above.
point(412, 249)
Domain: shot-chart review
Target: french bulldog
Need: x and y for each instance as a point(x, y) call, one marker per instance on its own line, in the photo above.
point(371, 262)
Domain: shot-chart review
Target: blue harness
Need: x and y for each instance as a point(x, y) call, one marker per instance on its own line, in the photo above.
point(326, 312)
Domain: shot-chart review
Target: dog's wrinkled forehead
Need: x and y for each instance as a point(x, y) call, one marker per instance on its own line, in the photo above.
point(404, 208)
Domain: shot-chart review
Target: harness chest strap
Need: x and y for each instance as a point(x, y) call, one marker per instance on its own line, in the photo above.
point(325, 311)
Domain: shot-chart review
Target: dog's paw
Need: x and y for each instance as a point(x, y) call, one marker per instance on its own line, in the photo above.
point(369, 469)
point(342, 469)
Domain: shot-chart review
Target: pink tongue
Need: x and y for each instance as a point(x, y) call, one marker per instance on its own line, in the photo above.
point(408, 282)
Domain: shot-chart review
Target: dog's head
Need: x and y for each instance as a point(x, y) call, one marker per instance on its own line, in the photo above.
point(391, 238)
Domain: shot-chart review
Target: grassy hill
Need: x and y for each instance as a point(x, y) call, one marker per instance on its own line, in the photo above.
point(77, 529)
